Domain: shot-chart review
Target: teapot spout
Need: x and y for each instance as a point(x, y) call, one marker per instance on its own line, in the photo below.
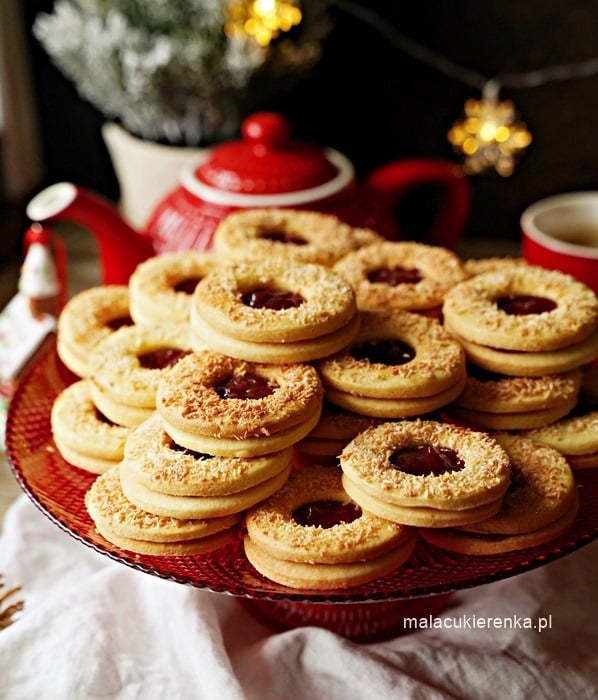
point(120, 247)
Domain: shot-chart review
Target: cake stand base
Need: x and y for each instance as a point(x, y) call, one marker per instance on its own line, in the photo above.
point(359, 622)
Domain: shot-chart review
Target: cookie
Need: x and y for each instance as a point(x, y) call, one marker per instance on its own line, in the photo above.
point(333, 431)
point(575, 437)
point(159, 464)
point(160, 288)
point(401, 275)
point(524, 309)
point(478, 266)
point(195, 507)
point(530, 364)
point(400, 365)
point(497, 402)
point(87, 318)
point(125, 369)
point(295, 235)
point(539, 505)
point(220, 405)
point(129, 527)
point(271, 311)
point(311, 535)
point(83, 436)
point(426, 473)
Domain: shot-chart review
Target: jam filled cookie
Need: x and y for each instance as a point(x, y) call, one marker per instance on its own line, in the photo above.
point(220, 405)
point(125, 369)
point(497, 402)
point(297, 236)
point(125, 525)
point(539, 505)
point(195, 507)
point(426, 473)
point(83, 436)
point(575, 437)
point(400, 365)
point(87, 318)
point(160, 288)
point(401, 275)
point(524, 310)
point(270, 311)
point(159, 464)
point(311, 535)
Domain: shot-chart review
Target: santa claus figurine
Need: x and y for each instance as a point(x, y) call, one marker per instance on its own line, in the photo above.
point(39, 280)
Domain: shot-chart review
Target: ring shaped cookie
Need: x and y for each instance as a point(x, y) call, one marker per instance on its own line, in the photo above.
point(434, 271)
point(81, 435)
point(420, 516)
point(295, 235)
point(368, 461)
point(394, 408)
point(328, 301)
point(160, 465)
point(326, 577)
point(160, 288)
point(195, 507)
point(87, 318)
point(119, 521)
point(188, 398)
point(575, 437)
point(272, 525)
point(473, 310)
point(127, 365)
point(438, 361)
point(542, 488)
point(530, 364)
point(502, 394)
point(476, 544)
point(203, 336)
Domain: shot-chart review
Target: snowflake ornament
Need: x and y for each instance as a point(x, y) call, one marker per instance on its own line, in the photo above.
point(489, 135)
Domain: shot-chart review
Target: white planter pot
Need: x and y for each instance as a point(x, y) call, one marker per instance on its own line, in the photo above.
point(146, 171)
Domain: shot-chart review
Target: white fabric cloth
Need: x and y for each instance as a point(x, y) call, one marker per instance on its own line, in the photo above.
point(94, 628)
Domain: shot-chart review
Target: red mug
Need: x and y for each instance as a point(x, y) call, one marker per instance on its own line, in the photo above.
point(561, 233)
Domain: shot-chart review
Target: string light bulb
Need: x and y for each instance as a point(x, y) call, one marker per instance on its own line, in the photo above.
point(262, 20)
point(489, 135)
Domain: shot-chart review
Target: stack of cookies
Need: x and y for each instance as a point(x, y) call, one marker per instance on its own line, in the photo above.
point(270, 311)
point(394, 363)
point(527, 333)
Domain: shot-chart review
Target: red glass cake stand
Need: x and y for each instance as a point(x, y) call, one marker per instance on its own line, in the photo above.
point(368, 612)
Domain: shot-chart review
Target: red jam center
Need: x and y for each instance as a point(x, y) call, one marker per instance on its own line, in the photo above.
point(276, 299)
point(117, 323)
point(426, 459)
point(326, 513)
point(384, 352)
point(161, 359)
point(187, 286)
point(394, 276)
point(283, 237)
point(523, 304)
point(244, 386)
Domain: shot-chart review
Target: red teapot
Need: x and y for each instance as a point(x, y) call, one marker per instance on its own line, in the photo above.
point(268, 167)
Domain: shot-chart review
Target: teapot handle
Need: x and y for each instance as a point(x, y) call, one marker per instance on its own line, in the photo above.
point(392, 181)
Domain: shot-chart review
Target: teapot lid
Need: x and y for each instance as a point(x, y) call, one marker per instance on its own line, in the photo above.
point(268, 161)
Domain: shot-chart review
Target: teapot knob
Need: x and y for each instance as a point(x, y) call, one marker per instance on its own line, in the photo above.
point(266, 130)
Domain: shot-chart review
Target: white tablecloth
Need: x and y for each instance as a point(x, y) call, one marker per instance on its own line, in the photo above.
point(93, 628)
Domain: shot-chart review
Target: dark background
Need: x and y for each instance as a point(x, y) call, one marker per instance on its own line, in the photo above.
point(376, 104)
